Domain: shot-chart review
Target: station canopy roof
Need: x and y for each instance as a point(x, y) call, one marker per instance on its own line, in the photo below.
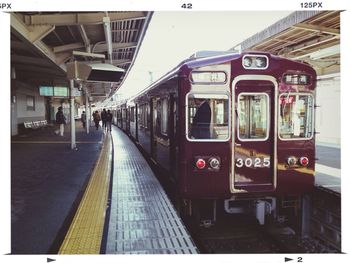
point(311, 36)
point(43, 43)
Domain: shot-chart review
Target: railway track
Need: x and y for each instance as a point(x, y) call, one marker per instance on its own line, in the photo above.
point(326, 217)
point(241, 234)
point(238, 236)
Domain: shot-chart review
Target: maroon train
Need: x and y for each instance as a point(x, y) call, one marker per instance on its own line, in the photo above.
point(232, 131)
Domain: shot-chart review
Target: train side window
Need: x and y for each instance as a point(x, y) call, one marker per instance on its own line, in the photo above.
point(132, 114)
point(253, 116)
point(296, 116)
point(208, 117)
point(164, 116)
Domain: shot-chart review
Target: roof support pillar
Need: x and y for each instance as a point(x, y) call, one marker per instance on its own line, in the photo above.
point(72, 115)
point(108, 36)
point(87, 111)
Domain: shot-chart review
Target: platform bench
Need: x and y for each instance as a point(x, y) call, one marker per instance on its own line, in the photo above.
point(35, 124)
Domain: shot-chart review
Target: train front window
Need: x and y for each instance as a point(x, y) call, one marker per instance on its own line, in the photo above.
point(208, 117)
point(253, 116)
point(296, 116)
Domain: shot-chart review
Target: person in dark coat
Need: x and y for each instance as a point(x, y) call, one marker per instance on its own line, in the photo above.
point(201, 120)
point(83, 118)
point(104, 118)
point(109, 117)
point(61, 121)
point(97, 118)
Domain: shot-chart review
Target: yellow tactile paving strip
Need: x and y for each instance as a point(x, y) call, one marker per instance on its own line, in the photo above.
point(85, 233)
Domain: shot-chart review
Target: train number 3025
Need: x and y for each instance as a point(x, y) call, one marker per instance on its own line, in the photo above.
point(253, 162)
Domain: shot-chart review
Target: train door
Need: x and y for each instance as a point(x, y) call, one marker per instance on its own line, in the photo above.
point(153, 128)
point(254, 146)
point(136, 122)
point(127, 127)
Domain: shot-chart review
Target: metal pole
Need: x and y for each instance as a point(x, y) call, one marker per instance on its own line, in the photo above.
point(72, 119)
point(87, 112)
point(90, 113)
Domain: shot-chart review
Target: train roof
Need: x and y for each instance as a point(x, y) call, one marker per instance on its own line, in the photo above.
point(206, 58)
point(198, 59)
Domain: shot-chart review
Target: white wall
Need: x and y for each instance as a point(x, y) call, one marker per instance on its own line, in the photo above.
point(19, 112)
point(328, 114)
point(22, 90)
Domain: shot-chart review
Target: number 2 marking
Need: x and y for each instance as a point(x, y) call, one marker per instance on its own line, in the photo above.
point(257, 162)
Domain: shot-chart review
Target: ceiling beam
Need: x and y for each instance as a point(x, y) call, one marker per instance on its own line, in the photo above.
point(308, 44)
point(68, 47)
point(117, 62)
point(276, 28)
point(320, 29)
point(25, 33)
point(102, 47)
point(18, 59)
point(31, 33)
point(318, 54)
point(37, 69)
point(66, 19)
point(85, 38)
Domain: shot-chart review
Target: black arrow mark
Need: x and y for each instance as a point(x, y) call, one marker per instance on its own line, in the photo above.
point(287, 259)
point(50, 260)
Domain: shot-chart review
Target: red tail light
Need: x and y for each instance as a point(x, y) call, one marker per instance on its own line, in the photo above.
point(304, 161)
point(200, 164)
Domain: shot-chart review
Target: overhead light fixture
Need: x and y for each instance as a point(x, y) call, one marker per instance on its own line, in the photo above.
point(99, 72)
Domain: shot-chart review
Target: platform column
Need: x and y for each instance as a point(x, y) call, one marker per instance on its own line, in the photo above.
point(87, 111)
point(72, 119)
point(90, 112)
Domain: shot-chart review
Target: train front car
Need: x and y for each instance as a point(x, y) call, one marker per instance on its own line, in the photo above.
point(247, 142)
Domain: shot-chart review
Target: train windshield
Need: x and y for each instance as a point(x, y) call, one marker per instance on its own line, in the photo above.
point(208, 117)
point(296, 116)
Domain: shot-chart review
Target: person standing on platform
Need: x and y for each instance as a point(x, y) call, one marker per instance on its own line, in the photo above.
point(109, 118)
point(104, 118)
point(61, 121)
point(83, 118)
point(97, 118)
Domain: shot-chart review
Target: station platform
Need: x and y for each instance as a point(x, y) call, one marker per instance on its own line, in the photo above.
point(47, 180)
point(48, 183)
point(328, 172)
point(142, 218)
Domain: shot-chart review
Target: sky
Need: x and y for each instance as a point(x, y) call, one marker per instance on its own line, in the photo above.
point(174, 36)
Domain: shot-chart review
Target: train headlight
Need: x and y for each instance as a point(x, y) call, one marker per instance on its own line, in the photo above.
point(200, 164)
point(304, 161)
point(255, 62)
point(247, 62)
point(214, 163)
point(292, 161)
point(260, 62)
